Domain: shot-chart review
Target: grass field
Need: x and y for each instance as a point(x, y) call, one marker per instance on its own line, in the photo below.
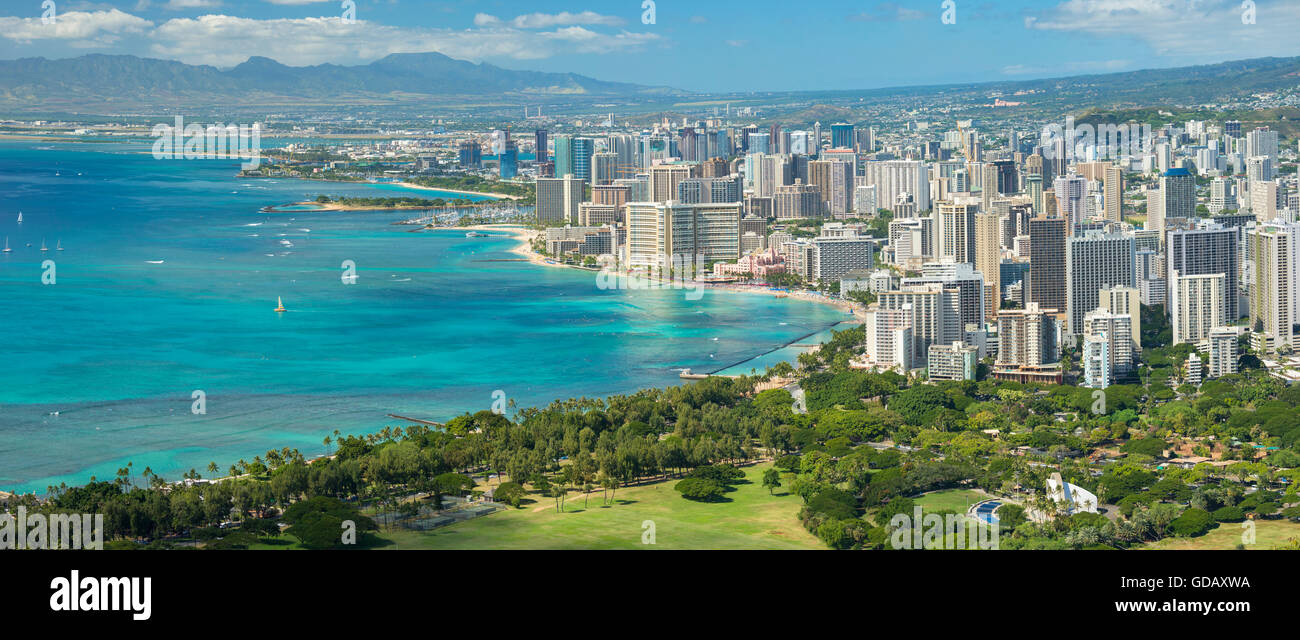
point(950, 500)
point(750, 518)
point(1268, 534)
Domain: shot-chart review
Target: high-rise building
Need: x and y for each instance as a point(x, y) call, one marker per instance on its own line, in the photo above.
point(508, 161)
point(894, 177)
point(657, 231)
point(573, 157)
point(1208, 250)
point(841, 136)
point(1095, 360)
point(1223, 352)
point(765, 173)
point(988, 256)
point(1034, 188)
point(710, 190)
point(912, 239)
point(1262, 142)
point(540, 144)
point(797, 201)
point(1027, 337)
point(1047, 274)
point(470, 154)
point(953, 361)
point(962, 278)
point(615, 195)
point(1266, 197)
point(836, 256)
point(1113, 193)
point(1197, 305)
point(1117, 330)
point(664, 179)
point(1071, 194)
point(835, 181)
point(1096, 260)
point(1178, 193)
point(1222, 195)
point(1125, 301)
point(604, 168)
point(935, 315)
point(1156, 213)
point(1273, 247)
point(889, 339)
point(865, 203)
point(954, 231)
point(1006, 180)
point(558, 199)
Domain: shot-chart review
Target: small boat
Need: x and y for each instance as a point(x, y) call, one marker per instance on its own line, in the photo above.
point(20, 217)
point(155, 261)
point(280, 309)
point(7, 249)
point(475, 234)
point(58, 245)
point(44, 248)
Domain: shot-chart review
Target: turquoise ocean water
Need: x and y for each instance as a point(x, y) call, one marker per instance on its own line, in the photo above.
point(167, 285)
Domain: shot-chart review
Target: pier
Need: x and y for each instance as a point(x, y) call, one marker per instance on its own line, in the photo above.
point(415, 420)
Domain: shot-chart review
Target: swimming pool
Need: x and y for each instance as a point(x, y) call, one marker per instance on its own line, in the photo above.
point(984, 512)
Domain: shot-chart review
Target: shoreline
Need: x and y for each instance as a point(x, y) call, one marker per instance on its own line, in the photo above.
point(494, 196)
point(335, 206)
point(526, 237)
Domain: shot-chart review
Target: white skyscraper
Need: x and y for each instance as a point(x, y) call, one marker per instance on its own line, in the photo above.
point(1198, 306)
point(1096, 261)
point(894, 177)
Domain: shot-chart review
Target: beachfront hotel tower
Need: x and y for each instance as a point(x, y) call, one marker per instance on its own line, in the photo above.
point(657, 231)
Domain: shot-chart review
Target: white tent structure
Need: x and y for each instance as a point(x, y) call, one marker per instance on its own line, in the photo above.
point(1076, 499)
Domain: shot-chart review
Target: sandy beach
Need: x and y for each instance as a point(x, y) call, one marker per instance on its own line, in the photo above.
point(495, 196)
point(336, 206)
point(524, 249)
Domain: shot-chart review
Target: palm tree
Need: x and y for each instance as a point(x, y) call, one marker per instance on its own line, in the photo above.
point(610, 484)
point(212, 467)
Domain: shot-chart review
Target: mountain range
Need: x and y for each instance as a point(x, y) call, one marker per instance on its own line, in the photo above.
point(103, 82)
point(107, 84)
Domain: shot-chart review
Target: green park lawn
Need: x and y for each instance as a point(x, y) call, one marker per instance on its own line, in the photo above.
point(748, 518)
point(1268, 534)
point(949, 500)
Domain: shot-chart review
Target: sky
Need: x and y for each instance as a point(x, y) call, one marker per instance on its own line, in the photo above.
point(698, 45)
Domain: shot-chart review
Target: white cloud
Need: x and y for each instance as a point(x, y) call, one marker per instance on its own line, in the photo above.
point(179, 5)
point(1199, 28)
point(94, 28)
point(228, 40)
point(1068, 68)
point(548, 20)
point(887, 12)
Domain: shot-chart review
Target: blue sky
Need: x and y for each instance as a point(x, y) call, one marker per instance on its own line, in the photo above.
point(702, 45)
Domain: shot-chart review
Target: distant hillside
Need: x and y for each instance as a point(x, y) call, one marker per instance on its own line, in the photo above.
point(106, 82)
point(1202, 84)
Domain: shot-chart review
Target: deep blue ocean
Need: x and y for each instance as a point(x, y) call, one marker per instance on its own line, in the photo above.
point(167, 284)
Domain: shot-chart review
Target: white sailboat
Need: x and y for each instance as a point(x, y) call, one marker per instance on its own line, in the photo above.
point(7, 249)
point(20, 217)
point(58, 246)
point(44, 248)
